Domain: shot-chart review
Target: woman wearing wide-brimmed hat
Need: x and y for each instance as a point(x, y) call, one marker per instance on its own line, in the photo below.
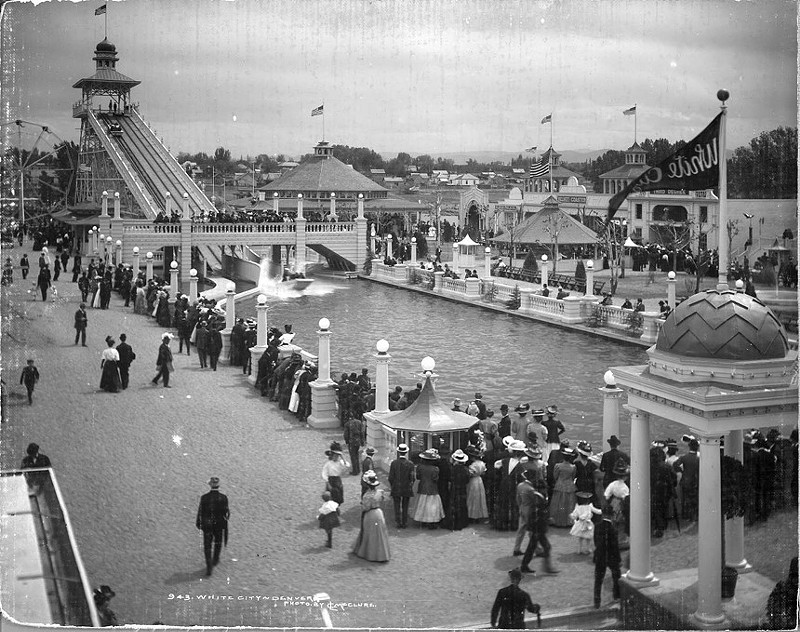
point(509, 471)
point(332, 471)
point(373, 538)
point(429, 508)
point(585, 470)
point(477, 509)
point(457, 517)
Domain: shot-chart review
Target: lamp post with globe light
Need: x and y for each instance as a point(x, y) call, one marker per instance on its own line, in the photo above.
point(148, 259)
point(261, 336)
point(382, 377)
point(323, 392)
point(611, 400)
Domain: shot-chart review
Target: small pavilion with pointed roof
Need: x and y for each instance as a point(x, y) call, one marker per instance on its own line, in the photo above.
point(618, 178)
point(427, 423)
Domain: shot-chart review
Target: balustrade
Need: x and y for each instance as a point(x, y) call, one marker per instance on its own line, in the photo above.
point(454, 285)
point(547, 304)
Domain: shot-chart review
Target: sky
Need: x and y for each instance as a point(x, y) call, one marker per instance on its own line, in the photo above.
point(420, 76)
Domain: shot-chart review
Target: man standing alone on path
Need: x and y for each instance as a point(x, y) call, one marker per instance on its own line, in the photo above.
point(508, 611)
point(354, 438)
point(126, 356)
point(80, 324)
point(164, 361)
point(25, 266)
point(212, 520)
point(401, 480)
point(201, 343)
point(43, 281)
point(29, 377)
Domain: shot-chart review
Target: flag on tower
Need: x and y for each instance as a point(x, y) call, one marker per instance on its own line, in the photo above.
point(317, 111)
point(100, 10)
point(539, 168)
point(629, 111)
point(531, 149)
point(547, 119)
point(695, 166)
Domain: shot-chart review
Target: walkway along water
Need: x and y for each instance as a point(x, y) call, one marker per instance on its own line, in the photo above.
point(133, 465)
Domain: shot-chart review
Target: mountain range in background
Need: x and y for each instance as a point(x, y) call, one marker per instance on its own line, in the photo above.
point(461, 157)
point(505, 157)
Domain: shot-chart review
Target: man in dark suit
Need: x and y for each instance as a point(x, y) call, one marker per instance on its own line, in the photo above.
point(610, 458)
point(606, 554)
point(689, 466)
point(504, 427)
point(80, 324)
point(201, 343)
point(354, 436)
point(401, 481)
point(214, 345)
point(508, 611)
point(164, 361)
point(126, 356)
point(212, 520)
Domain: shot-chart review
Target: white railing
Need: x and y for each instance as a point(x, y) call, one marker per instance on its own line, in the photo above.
point(330, 227)
point(544, 304)
point(454, 285)
point(157, 229)
point(614, 316)
point(265, 227)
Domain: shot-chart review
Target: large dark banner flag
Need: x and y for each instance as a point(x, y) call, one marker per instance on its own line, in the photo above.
point(693, 167)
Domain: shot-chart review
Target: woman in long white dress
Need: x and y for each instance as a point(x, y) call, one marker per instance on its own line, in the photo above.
point(477, 508)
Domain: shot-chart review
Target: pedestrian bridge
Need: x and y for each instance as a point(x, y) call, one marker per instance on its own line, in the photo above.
point(158, 183)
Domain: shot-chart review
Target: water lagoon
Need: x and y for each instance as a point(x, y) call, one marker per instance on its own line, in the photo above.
point(508, 359)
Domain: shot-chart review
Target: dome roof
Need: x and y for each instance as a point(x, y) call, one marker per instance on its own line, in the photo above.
point(724, 325)
point(106, 46)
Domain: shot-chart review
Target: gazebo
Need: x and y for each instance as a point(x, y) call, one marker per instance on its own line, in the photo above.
point(427, 423)
point(467, 248)
point(721, 365)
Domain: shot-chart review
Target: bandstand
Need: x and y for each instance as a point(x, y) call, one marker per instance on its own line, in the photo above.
point(427, 423)
point(722, 364)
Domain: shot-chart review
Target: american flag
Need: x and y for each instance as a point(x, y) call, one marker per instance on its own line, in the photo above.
point(539, 168)
point(317, 111)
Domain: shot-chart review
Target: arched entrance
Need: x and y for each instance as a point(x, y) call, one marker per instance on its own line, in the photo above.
point(473, 221)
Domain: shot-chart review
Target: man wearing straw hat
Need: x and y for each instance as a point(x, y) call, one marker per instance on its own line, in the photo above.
point(401, 481)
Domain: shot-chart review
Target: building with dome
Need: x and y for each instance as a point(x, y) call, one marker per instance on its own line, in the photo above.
point(721, 365)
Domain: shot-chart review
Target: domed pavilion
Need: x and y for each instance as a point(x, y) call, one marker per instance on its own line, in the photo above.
point(721, 365)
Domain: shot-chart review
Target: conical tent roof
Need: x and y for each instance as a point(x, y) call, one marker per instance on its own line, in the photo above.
point(467, 241)
point(428, 414)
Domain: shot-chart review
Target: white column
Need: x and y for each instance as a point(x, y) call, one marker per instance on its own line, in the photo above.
point(639, 572)
point(95, 238)
point(230, 308)
point(275, 198)
point(611, 399)
point(589, 278)
point(193, 286)
point(173, 281)
point(104, 206)
point(360, 206)
point(414, 251)
point(389, 246)
point(185, 212)
point(333, 204)
point(118, 253)
point(671, 289)
point(487, 262)
point(323, 395)
point(734, 528)
point(148, 267)
point(382, 359)
point(117, 211)
point(261, 337)
point(168, 204)
point(709, 559)
point(299, 206)
point(135, 262)
point(544, 270)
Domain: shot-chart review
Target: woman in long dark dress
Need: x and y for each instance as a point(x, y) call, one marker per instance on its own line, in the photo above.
point(110, 380)
point(509, 470)
point(584, 471)
point(458, 516)
point(162, 310)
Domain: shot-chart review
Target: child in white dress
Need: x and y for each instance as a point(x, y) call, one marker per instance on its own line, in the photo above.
point(583, 527)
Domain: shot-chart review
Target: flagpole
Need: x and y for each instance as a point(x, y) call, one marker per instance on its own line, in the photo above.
point(105, 20)
point(550, 159)
point(323, 121)
point(635, 122)
point(724, 255)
